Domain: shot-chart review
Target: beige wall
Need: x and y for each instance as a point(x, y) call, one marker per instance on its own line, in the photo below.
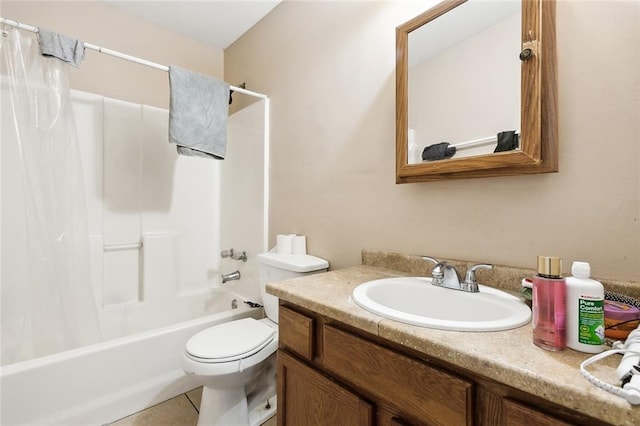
point(105, 26)
point(329, 70)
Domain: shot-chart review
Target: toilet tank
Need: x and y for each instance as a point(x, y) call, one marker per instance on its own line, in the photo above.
point(278, 267)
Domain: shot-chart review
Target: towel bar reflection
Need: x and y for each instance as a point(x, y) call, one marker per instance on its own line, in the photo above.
point(477, 142)
point(125, 246)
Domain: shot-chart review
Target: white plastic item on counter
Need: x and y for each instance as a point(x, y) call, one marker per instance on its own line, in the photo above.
point(585, 310)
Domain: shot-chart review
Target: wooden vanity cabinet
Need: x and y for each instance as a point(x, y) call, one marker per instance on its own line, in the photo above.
point(408, 386)
point(328, 376)
point(497, 406)
point(331, 374)
point(516, 414)
point(307, 397)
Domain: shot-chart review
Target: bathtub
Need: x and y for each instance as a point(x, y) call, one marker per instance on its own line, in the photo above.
point(104, 382)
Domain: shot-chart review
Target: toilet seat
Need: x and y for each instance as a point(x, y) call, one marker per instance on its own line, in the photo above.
point(230, 341)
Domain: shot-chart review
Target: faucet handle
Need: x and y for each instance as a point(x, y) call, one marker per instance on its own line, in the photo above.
point(438, 270)
point(239, 256)
point(436, 262)
point(430, 259)
point(470, 276)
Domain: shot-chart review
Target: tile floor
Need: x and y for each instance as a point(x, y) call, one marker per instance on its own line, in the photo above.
point(179, 411)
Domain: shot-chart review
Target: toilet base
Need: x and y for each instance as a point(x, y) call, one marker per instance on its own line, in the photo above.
point(231, 407)
point(223, 407)
point(261, 413)
point(262, 402)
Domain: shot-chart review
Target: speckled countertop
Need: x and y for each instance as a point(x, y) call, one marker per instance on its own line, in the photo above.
point(508, 357)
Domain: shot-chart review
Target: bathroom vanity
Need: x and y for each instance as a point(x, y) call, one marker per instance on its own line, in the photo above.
point(339, 364)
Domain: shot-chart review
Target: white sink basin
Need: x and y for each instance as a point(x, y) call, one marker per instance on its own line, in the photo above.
point(416, 301)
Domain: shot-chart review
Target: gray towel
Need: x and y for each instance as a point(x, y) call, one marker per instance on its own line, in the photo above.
point(60, 46)
point(198, 111)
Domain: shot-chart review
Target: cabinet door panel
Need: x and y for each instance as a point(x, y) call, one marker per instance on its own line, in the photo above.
point(428, 394)
point(296, 332)
point(389, 418)
point(516, 414)
point(306, 397)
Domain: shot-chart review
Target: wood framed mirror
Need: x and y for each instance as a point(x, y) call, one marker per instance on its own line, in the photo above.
point(535, 56)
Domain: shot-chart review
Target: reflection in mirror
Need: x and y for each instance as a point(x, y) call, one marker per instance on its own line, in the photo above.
point(464, 81)
point(466, 92)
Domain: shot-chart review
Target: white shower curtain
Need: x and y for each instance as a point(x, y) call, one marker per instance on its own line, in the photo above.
point(47, 302)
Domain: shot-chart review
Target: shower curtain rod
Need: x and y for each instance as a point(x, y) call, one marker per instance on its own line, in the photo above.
point(124, 56)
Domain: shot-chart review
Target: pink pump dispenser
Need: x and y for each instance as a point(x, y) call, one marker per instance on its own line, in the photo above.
point(549, 305)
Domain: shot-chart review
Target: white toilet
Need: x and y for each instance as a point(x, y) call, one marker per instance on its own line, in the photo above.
point(235, 362)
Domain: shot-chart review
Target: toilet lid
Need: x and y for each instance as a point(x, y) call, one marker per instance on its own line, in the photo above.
point(293, 262)
point(230, 341)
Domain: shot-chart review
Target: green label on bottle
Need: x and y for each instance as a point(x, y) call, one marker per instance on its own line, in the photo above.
point(591, 321)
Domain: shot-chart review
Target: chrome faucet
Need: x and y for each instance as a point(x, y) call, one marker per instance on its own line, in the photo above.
point(230, 277)
point(470, 283)
point(235, 255)
point(445, 275)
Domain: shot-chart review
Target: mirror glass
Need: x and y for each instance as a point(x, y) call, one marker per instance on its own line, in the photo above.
point(464, 79)
point(476, 91)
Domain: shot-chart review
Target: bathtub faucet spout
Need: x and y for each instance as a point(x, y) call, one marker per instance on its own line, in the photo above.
point(230, 277)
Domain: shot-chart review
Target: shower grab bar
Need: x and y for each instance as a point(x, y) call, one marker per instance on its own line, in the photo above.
point(125, 246)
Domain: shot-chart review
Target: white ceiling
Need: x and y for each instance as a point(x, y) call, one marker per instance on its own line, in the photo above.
point(217, 23)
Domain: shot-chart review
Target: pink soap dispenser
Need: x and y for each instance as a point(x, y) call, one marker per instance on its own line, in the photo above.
point(549, 304)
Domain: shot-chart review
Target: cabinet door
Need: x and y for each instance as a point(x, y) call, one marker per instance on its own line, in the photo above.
point(412, 388)
point(389, 418)
point(296, 333)
point(516, 414)
point(306, 397)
